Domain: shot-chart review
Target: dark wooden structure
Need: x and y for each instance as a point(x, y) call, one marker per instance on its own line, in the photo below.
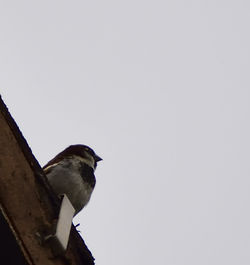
point(28, 207)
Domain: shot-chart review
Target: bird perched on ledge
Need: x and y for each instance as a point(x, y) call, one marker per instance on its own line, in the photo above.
point(71, 172)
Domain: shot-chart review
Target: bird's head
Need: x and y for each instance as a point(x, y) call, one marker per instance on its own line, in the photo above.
point(83, 151)
point(79, 150)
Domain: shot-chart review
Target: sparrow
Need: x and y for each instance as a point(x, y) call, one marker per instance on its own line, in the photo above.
point(71, 172)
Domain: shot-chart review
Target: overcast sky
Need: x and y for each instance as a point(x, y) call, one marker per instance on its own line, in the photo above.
point(160, 90)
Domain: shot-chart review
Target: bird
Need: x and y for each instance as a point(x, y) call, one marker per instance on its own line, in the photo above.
point(71, 172)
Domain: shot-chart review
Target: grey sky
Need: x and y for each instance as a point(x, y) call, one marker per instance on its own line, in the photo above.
point(160, 90)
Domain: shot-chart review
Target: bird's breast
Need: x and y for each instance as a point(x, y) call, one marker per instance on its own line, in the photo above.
point(75, 179)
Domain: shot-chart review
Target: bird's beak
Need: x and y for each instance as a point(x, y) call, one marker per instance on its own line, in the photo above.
point(98, 158)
